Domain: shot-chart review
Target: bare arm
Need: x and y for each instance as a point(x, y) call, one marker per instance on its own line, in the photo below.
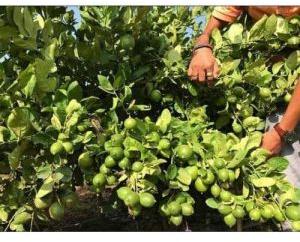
point(271, 140)
point(292, 114)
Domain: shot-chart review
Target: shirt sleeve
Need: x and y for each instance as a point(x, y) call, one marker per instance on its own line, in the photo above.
point(227, 14)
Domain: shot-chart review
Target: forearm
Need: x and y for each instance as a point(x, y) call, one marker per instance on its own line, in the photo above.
point(292, 115)
point(212, 24)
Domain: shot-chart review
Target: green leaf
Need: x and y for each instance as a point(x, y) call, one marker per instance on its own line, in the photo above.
point(3, 214)
point(258, 29)
point(19, 121)
point(46, 188)
point(29, 88)
point(172, 171)
point(105, 85)
point(74, 91)
point(28, 23)
point(229, 65)
point(55, 122)
point(164, 120)
point(115, 103)
point(217, 37)
point(72, 120)
point(293, 60)
point(184, 177)
point(173, 56)
point(19, 20)
point(72, 106)
point(271, 25)
point(263, 182)
point(212, 203)
point(277, 66)
point(65, 174)
point(235, 33)
point(246, 190)
point(88, 136)
point(50, 51)
point(278, 163)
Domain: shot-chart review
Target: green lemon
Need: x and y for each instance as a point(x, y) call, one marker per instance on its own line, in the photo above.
point(225, 196)
point(130, 123)
point(215, 190)
point(237, 128)
point(56, 211)
point(137, 166)
point(44, 202)
point(104, 169)
point(264, 92)
point(99, 180)
point(85, 160)
point(176, 220)
point(56, 148)
point(117, 139)
point(147, 200)
point(68, 146)
point(293, 212)
point(187, 209)
point(153, 137)
point(200, 186)
point(70, 200)
point(122, 192)
point(193, 171)
point(255, 214)
point(117, 153)
point(124, 163)
point(249, 206)
point(224, 209)
point(219, 163)
point(230, 220)
point(278, 215)
point(111, 180)
point(132, 199)
point(184, 152)
point(210, 178)
point(287, 97)
point(174, 208)
point(231, 175)
point(155, 96)
point(296, 226)
point(267, 212)
point(127, 42)
point(164, 144)
point(223, 174)
point(238, 212)
point(110, 162)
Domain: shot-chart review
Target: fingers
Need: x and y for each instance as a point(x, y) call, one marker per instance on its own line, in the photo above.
point(201, 76)
point(216, 71)
point(193, 74)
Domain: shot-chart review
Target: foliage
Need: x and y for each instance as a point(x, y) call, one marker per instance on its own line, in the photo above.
point(66, 95)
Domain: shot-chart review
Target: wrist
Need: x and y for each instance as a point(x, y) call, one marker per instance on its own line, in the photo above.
point(203, 39)
point(286, 127)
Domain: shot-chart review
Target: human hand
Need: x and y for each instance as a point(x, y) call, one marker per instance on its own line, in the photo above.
point(203, 66)
point(272, 142)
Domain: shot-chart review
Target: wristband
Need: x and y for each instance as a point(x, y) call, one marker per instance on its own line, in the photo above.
point(199, 46)
point(280, 131)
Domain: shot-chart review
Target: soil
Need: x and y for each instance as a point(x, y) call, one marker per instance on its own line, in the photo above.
point(90, 216)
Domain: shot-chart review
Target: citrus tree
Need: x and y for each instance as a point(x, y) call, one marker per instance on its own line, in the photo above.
point(109, 105)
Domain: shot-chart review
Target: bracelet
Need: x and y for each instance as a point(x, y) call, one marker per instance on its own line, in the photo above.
point(199, 46)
